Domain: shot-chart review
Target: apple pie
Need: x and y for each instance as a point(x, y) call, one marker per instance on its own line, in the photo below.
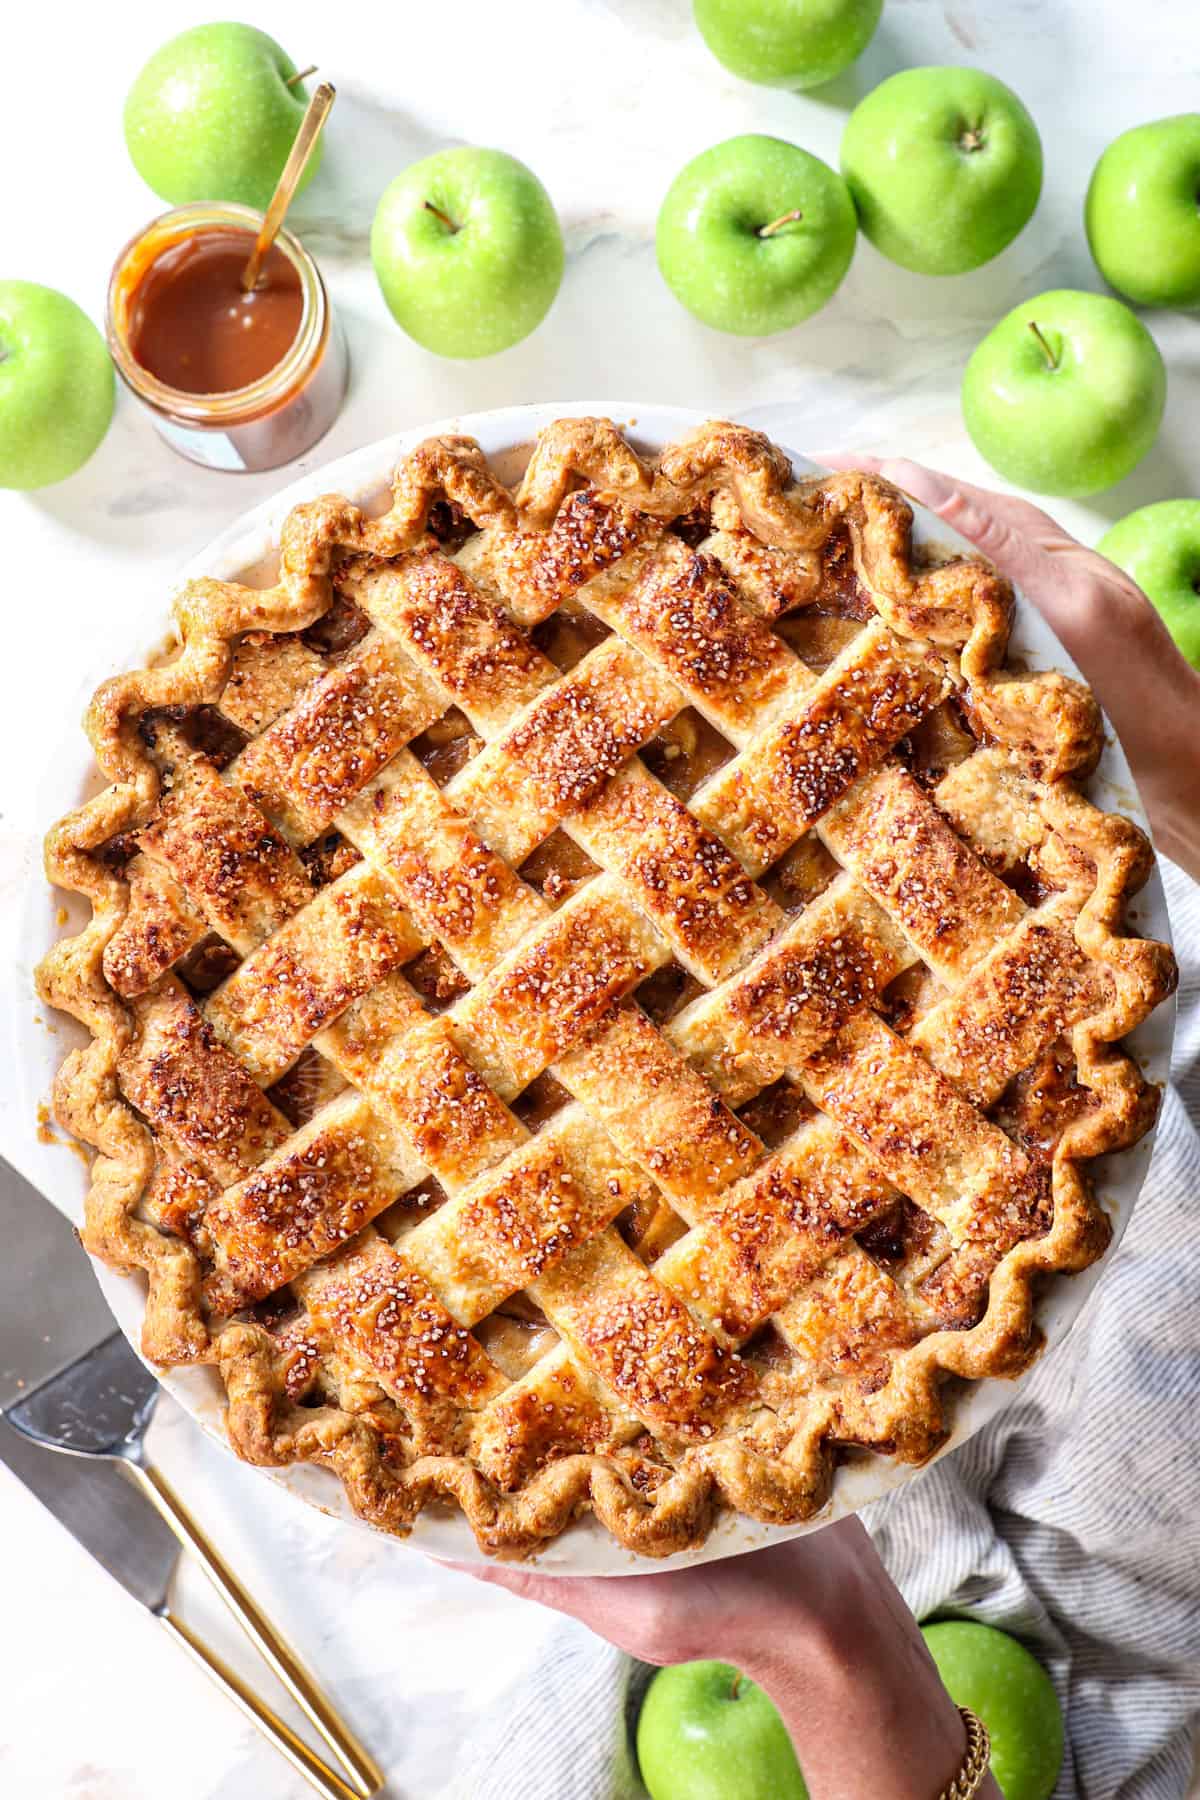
point(602, 993)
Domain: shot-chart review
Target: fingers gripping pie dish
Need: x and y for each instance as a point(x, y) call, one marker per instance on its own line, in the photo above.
point(603, 993)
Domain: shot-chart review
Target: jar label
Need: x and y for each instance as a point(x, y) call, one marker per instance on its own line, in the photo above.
point(215, 449)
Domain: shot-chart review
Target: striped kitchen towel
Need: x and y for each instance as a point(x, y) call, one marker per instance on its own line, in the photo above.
point(1072, 1520)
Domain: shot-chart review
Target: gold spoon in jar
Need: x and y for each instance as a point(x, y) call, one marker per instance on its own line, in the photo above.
point(302, 148)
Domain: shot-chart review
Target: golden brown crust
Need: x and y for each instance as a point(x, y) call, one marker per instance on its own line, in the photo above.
point(949, 1003)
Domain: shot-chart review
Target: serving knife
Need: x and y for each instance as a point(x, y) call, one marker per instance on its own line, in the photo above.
point(70, 1383)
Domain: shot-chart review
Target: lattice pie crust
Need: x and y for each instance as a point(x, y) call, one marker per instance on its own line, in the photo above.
point(600, 995)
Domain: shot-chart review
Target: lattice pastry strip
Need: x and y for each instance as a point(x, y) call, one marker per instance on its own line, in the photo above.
point(459, 893)
point(411, 1070)
point(195, 1091)
point(267, 674)
point(1034, 987)
point(932, 1144)
point(688, 619)
point(376, 1304)
point(342, 944)
point(210, 861)
point(898, 845)
point(318, 755)
point(883, 915)
point(324, 1184)
point(839, 955)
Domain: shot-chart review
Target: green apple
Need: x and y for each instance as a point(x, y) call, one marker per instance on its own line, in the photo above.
point(212, 117)
point(56, 386)
point(787, 43)
point(1159, 546)
point(1065, 395)
point(707, 1733)
point(945, 166)
point(755, 234)
point(1143, 212)
point(468, 251)
point(1008, 1689)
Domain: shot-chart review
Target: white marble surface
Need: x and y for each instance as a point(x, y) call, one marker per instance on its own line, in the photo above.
point(605, 98)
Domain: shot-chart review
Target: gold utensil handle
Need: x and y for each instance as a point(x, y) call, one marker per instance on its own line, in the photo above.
point(363, 1771)
point(304, 1760)
point(310, 130)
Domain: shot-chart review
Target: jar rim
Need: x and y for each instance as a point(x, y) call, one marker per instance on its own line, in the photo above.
point(236, 405)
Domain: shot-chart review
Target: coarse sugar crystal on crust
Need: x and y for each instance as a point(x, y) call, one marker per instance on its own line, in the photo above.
point(601, 994)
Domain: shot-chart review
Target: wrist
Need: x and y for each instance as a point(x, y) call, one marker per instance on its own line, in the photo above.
point(844, 1661)
point(828, 1618)
point(802, 1617)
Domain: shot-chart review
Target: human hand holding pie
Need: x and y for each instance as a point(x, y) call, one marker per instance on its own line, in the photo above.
point(1105, 621)
point(818, 1624)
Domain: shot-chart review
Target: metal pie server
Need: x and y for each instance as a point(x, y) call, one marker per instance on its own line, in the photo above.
point(70, 1382)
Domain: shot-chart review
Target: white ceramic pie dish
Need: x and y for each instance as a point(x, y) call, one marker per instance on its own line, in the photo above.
point(40, 1044)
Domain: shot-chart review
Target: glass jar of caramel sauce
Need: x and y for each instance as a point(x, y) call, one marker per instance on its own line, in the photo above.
point(231, 379)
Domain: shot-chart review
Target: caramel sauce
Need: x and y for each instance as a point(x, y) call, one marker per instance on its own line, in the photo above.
point(192, 325)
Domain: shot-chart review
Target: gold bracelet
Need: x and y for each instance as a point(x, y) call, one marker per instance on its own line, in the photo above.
point(973, 1773)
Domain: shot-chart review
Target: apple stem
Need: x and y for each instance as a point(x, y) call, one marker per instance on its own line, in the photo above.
point(1047, 352)
point(736, 1689)
point(437, 212)
point(787, 218)
point(301, 75)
